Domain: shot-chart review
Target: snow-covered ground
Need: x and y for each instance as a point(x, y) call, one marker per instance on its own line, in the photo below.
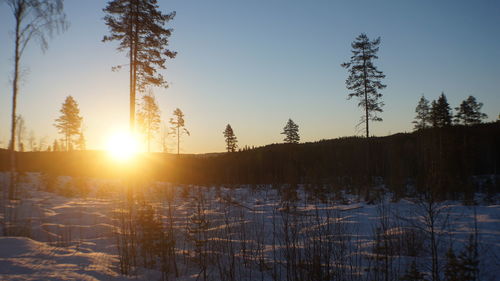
point(73, 238)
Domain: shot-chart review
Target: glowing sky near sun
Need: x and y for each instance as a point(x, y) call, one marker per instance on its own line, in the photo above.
point(254, 64)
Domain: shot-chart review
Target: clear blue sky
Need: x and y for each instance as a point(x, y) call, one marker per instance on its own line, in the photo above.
point(254, 64)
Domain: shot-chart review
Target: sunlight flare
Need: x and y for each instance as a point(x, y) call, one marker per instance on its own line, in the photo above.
point(122, 146)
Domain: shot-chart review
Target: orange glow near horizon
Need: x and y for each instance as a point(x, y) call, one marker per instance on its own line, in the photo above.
point(122, 146)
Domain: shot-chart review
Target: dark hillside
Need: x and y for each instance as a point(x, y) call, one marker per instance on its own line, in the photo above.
point(442, 158)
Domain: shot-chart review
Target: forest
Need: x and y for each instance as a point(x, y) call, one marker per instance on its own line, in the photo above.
point(445, 160)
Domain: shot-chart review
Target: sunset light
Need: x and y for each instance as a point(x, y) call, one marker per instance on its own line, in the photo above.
point(249, 140)
point(122, 146)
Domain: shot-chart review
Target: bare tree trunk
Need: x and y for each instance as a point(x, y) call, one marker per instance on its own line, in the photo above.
point(367, 123)
point(17, 57)
point(132, 53)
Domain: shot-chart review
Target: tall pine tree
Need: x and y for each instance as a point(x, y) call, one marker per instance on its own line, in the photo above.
point(231, 140)
point(139, 26)
point(365, 80)
point(70, 122)
point(291, 132)
point(178, 127)
point(469, 112)
point(423, 111)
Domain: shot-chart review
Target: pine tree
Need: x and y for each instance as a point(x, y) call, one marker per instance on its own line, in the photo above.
point(423, 110)
point(440, 112)
point(291, 132)
point(469, 112)
point(469, 261)
point(139, 26)
point(149, 118)
point(231, 140)
point(178, 127)
point(365, 79)
point(150, 232)
point(70, 122)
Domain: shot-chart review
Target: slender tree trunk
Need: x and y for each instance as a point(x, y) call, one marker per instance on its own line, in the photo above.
point(136, 44)
point(132, 53)
point(367, 122)
point(366, 96)
point(67, 142)
point(17, 57)
point(132, 93)
point(178, 140)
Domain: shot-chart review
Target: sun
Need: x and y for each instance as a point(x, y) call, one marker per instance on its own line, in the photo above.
point(122, 146)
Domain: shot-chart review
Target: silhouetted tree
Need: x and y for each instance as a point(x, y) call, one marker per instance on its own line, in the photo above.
point(468, 261)
point(423, 110)
point(139, 26)
point(178, 127)
point(452, 266)
point(469, 112)
point(291, 132)
point(34, 19)
point(365, 79)
point(56, 146)
point(231, 140)
point(149, 118)
point(81, 142)
point(440, 112)
point(32, 141)
point(21, 132)
point(165, 132)
point(70, 122)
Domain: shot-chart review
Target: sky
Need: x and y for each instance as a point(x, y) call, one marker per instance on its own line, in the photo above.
point(254, 64)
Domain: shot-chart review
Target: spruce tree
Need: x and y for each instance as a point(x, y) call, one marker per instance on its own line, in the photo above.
point(149, 118)
point(423, 111)
point(178, 127)
point(231, 140)
point(291, 132)
point(139, 26)
point(70, 122)
point(441, 112)
point(365, 80)
point(469, 112)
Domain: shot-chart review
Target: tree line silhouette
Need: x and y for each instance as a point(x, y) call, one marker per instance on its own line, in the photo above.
point(447, 160)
